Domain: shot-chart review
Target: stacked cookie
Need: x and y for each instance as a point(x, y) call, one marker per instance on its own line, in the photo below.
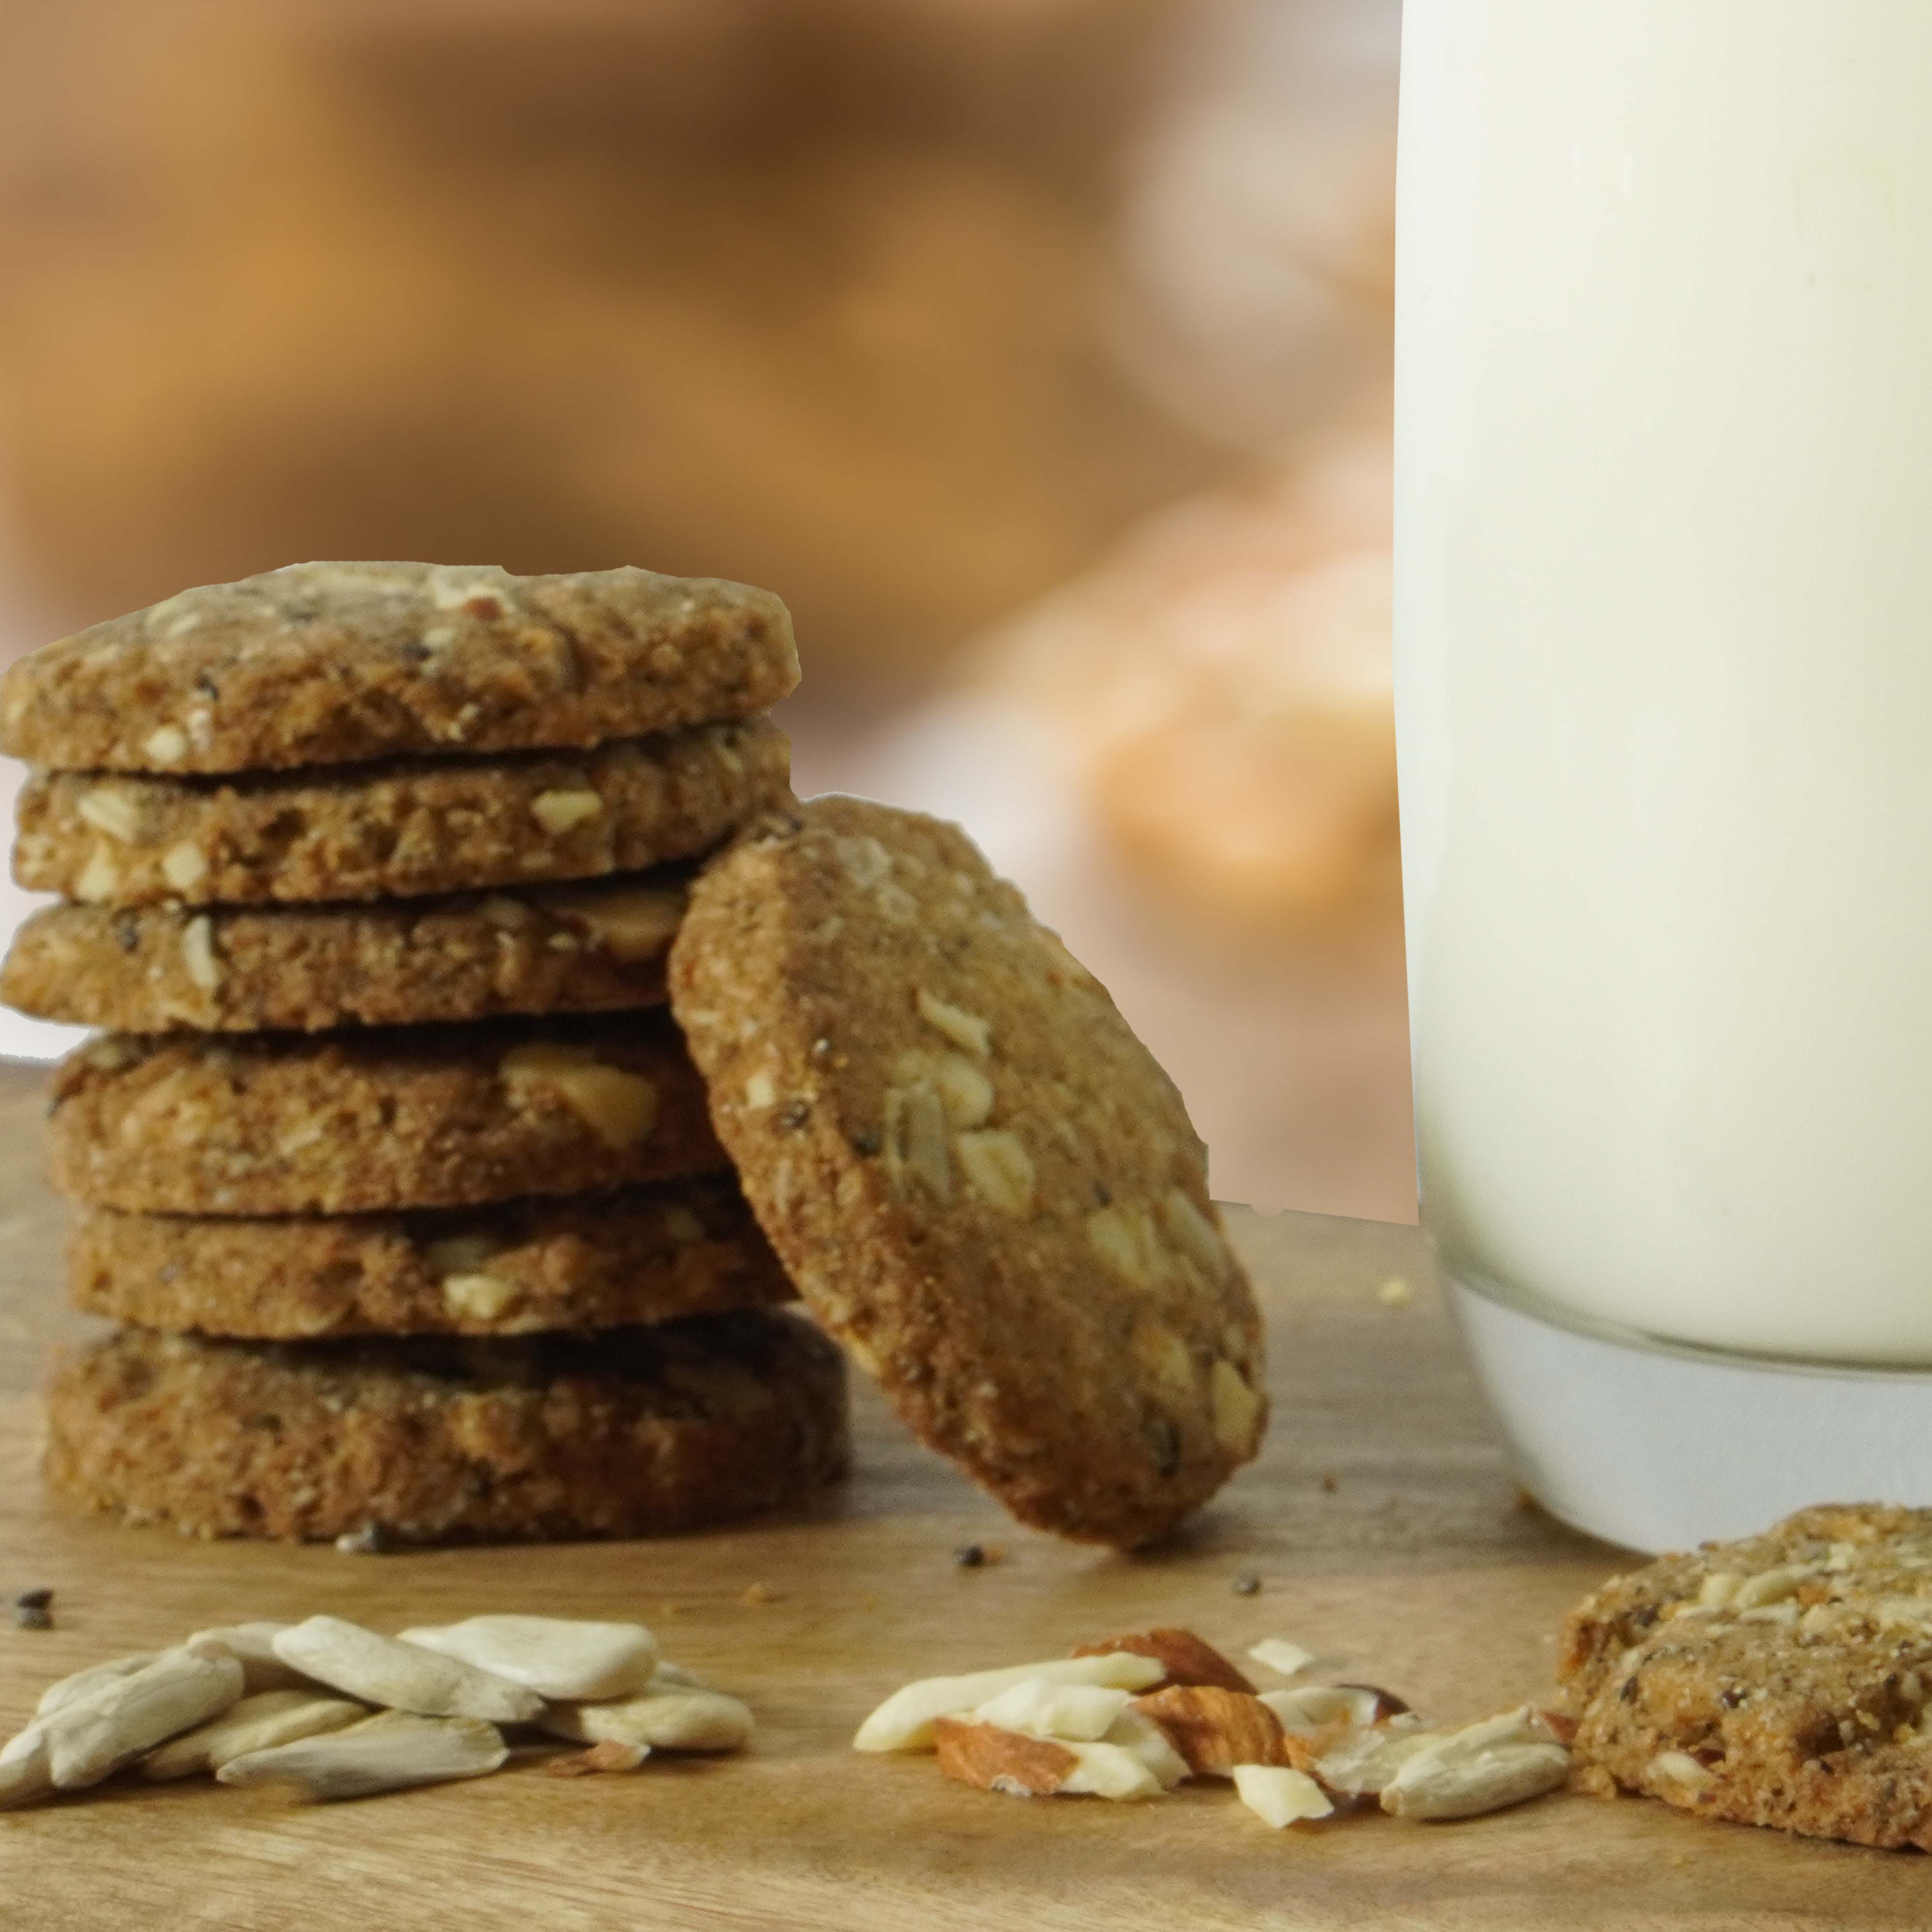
point(391, 1162)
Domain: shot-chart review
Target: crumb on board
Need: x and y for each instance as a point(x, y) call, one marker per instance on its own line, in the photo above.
point(978, 1555)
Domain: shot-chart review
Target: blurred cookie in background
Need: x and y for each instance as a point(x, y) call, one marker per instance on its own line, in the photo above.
point(1221, 688)
point(1189, 755)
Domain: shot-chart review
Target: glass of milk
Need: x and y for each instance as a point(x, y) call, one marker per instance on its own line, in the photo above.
point(1664, 671)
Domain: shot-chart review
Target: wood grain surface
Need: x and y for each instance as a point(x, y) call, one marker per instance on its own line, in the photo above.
point(1382, 1523)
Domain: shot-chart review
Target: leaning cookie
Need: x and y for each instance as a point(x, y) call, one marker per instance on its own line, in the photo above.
point(398, 830)
point(1785, 1680)
point(370, 1119)
point(324, 664)
point(585, 948)
point(578, 1262)
point(980, 1179)
point(637, 1432)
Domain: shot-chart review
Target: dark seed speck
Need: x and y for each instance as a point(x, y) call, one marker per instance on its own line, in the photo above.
point(1247, 1584)
point(969, 1556)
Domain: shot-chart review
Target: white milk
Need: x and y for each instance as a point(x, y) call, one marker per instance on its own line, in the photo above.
point(1664, 657)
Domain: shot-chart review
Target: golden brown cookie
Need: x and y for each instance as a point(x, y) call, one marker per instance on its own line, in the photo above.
point(1784, 1680)
point(326, 664)
point(398, 830)
point(578, 1262)
point(369, 1120)
point(587, 948)
point(978, 1177)
point(634, 1432)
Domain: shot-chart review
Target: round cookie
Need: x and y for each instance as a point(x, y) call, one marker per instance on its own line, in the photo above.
point(585, 948)
point(1785, 1680)
point(360, 1122)
point(398, 830)
point(325, 664)
point(636, 1431)
point(581, 1261)
point(978, 1177)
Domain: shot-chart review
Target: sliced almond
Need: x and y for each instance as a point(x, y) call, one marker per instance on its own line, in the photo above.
point(1279, 1795)
point(1109, 1771)
point(990, 1758)
point(1354, 1762)
point(1184, 1658)
point(670, 1716)
point(905, 1721)
point(1214, 1729)
point(1135, 1733)
point(1073, 1713)
point(1283, 1658)
point(1308, 1708)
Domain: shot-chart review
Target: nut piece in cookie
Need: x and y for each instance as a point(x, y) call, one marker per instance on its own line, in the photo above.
point(979, 1179)
point(1783, 1680)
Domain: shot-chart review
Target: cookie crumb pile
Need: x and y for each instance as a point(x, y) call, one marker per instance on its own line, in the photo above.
point(389, 1159)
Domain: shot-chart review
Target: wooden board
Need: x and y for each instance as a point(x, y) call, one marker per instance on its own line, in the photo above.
point(1382, 1522)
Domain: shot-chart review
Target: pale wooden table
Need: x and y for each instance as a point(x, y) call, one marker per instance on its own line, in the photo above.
point(1381, 1519)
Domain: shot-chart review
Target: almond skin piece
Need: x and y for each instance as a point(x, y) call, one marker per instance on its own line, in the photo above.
point(1215, 1730)
point(991, 1760)
point(1187, 1660)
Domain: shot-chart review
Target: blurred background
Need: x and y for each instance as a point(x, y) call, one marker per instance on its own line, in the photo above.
point(1036, 351)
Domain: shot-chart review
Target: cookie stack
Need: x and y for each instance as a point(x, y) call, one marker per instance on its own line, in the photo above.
point(390, 1161)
